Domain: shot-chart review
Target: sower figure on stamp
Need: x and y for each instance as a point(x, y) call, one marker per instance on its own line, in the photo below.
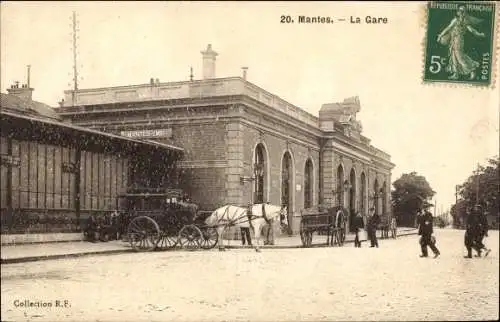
point(425, 230)
point(459, 62)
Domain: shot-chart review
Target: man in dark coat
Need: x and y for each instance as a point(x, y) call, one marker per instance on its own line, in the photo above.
point(425, 229)
point(358, 225)
point(475, 230)
point(373, 222)
point(245, 231)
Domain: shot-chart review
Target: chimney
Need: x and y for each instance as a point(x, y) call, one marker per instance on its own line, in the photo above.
point(209, 62)
point(244, 72)
point(24, 92)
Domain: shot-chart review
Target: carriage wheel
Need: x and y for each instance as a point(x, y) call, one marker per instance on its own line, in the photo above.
point(167, 241)
point(303, 237)
point(190, 237)
point(341, 235)
point(309, 238)
point(143, 233)
point(209, 237)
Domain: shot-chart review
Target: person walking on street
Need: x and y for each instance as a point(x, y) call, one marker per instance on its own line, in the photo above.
point(483, 221)
point(373, 222)
point(358, 226)
point(475, 230)
point(425, 230)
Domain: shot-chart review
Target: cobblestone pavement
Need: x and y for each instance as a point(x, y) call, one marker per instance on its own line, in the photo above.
point(346, 283)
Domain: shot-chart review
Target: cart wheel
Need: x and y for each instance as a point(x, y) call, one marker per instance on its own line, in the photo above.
point(209, 237)
point(340, 236)
point(167, 241)
point(190, 237)
point(143, 233)
point(309, 238)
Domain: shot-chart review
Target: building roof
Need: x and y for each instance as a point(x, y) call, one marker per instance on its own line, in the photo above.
point(55, 123)
point(18, 105)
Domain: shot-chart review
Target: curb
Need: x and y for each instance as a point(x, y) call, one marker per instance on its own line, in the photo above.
point(62, 256)
point(122, 251)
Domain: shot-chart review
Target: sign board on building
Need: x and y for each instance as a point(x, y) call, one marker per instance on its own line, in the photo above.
point(155, 133)
point(298, 187)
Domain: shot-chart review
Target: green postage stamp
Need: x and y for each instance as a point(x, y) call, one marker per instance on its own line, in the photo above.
point(460, 45)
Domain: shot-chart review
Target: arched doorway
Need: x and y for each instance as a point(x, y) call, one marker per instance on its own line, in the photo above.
point(362, 205)
point(286, 185)
point(376, 196)
point(260, 173)
point(340, 186)
point(308, 184)
point(352, 198)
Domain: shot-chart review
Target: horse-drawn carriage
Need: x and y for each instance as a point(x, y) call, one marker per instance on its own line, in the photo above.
point(321, 219)
point(163, 220)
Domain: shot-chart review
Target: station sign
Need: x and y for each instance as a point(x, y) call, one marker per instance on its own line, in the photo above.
point(155, 133)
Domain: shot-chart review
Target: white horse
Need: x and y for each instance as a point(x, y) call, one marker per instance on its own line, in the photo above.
point(261, 215)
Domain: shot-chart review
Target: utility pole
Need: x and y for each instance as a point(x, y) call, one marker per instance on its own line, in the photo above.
point(477, 184)
point(75, 66)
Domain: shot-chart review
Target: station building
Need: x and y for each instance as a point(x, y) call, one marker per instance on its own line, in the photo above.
point(243, 144)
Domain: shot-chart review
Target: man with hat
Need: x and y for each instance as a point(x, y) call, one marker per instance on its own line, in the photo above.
point(425, 229)
point(476, 230)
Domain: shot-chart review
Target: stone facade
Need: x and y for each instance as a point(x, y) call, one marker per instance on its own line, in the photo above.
point(243, 144)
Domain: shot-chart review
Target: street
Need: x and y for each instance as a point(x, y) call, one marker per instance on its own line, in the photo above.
point(336, 283)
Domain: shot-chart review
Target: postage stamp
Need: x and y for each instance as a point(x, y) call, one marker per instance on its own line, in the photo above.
point(459, 46)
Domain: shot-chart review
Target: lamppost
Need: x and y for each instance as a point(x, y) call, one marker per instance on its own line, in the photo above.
point(375, 196)
point(258, 172)
point(340, 190)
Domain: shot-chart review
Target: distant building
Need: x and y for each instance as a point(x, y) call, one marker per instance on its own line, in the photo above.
point(243, 144)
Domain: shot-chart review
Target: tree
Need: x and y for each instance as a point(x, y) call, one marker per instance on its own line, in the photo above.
point(481, 187)
point(411, 193)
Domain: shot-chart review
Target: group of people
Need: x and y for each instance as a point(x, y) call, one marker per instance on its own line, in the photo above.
point(373, 221)
point(476, 228)
point(103, 228)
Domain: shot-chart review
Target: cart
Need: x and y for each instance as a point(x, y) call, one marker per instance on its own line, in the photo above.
point(323, 220)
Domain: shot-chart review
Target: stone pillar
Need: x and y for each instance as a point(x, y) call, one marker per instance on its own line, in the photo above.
point(234, 170)
point(328, 170)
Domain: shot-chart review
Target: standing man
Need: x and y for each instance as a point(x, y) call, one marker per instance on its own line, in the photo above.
point(245, 231)
point(425, 230)
point(373, 222)
point(358, 225)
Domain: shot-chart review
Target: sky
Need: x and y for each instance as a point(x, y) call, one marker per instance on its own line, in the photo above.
point(440, 131)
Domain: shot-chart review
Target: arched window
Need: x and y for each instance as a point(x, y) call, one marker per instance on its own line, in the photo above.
point(384, 198)
point(286, 179)
point(308, 184)
point(259, 175)
point(340, 186)
point(376, 196)
point(362, 204)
